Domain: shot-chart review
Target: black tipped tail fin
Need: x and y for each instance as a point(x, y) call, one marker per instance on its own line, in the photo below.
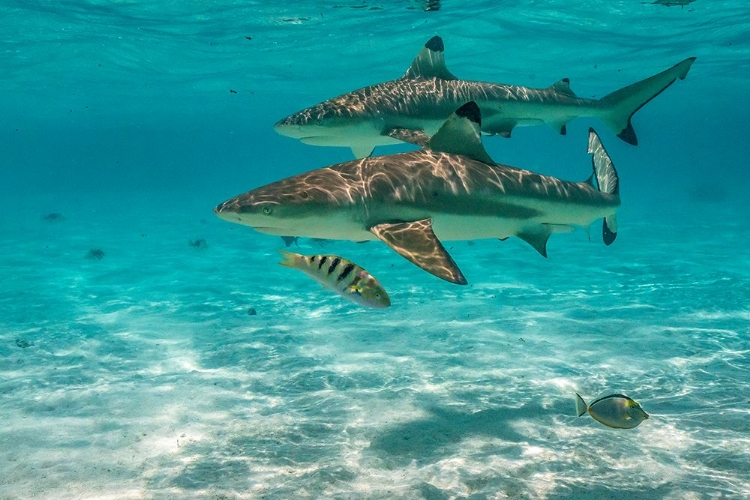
point(607, 181)
point(622, 104)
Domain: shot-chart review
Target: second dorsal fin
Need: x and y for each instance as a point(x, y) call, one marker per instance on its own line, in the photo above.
point(563, 87)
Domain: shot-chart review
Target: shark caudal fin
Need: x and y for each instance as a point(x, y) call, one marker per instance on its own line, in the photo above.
point(622, 104)
point(607, 181)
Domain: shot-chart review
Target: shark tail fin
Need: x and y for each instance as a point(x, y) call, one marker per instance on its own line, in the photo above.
point(607, 181)
point(581, 406)
point(621, 104)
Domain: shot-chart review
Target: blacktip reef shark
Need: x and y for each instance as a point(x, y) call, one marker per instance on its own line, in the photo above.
point(413, 107)
point(448, 190)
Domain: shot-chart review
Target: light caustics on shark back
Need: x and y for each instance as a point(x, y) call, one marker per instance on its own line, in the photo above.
point(449, 190)
point(412, 108)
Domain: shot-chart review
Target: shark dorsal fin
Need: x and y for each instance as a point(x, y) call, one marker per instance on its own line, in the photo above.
point(563, 87)
point(430, 62)
point(461, 134)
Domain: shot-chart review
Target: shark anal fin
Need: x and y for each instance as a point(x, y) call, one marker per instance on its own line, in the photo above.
point(537, 238)
point(417, 137)
point(416, 242)
point(430, 62)
point(461, 134)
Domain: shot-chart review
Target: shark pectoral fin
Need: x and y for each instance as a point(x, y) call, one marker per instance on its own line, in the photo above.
point(430, 62)
point(361, 151)
point(416, 242)
point(417, 137)
point(461, 134)
point(537, 237)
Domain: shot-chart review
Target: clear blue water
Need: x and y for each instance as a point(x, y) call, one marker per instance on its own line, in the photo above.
point(141, 375)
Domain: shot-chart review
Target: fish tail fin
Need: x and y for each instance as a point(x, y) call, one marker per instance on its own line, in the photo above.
point(621, 104)
point(288, 259)
point(607, 181)
point(581, 406)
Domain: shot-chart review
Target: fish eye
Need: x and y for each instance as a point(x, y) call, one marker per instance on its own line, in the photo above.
point(267, 210)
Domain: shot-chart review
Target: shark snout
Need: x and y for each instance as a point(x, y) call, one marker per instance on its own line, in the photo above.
point(290, 128)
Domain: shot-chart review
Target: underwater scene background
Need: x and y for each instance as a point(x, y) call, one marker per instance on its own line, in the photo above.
point(138, 362)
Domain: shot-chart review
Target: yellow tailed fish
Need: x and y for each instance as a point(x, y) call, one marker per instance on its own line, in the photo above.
point(616, 410)
point(340, 275)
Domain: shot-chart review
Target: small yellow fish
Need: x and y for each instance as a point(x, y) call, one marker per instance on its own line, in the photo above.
point(616, 410)
point(340, 275)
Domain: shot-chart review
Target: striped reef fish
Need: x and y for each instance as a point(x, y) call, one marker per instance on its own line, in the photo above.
point(616, 410)
point(340, 275)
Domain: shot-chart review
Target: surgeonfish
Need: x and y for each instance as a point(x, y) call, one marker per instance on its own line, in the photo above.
point(615, 410)
point(340, 275)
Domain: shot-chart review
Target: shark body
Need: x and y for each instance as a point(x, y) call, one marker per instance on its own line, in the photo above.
point(449, 190)
point(412, 108)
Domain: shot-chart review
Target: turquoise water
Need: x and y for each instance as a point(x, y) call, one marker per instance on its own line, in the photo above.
point(142, 375)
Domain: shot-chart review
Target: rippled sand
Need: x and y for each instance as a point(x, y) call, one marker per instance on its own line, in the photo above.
point(142, 375)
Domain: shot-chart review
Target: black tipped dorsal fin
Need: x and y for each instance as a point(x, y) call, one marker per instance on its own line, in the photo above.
point(430, 62)
point(563, 87)
point(461, 134)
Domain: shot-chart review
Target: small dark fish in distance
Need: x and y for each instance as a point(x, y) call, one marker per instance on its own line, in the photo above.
point(95, 254)
point(54, 217)
point(199, 243)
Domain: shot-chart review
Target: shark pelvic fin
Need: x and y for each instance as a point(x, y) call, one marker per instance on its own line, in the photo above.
point(606, 179)
point(461, 134)
point(416, 242)
point(537, 238)
point(417, 137)
point(563, 87)
point(290, 240)
point(430, 62)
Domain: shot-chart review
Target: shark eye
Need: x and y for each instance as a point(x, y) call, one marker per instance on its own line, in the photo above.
point(267, 210)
